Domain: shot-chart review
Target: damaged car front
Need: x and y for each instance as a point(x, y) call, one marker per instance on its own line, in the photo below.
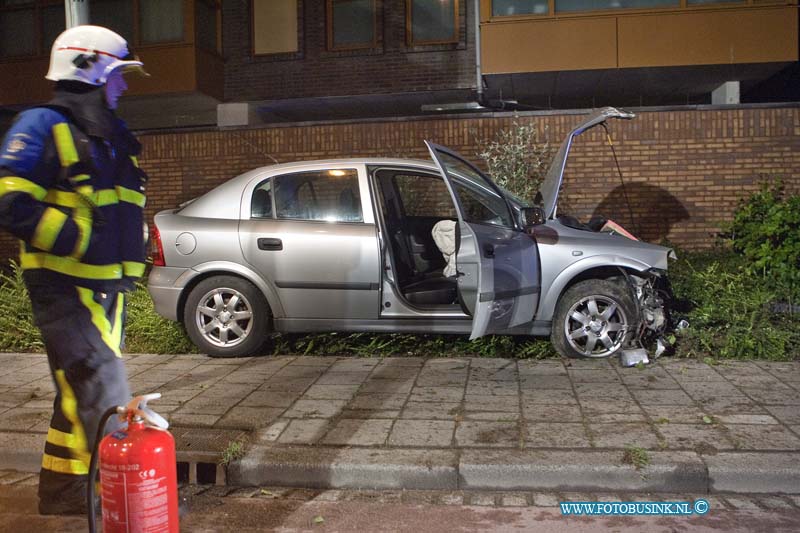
point(604, 291)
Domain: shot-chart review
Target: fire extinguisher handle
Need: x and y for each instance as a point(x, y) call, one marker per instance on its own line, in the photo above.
point(154, 419)
point(138, 407)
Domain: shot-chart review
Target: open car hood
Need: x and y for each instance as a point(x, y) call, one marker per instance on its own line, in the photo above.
point(552, 181)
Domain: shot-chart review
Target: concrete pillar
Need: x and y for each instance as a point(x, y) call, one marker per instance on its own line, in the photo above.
point(234, 114)
point(727, 93)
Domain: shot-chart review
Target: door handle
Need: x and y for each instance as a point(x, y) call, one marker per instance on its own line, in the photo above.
point(488, 251)
point(270, 244)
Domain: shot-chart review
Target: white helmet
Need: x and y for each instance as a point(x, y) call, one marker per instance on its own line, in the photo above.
point(89, 54)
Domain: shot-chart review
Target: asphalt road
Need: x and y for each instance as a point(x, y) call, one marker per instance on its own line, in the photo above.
point(283, 514)
point(222, 509)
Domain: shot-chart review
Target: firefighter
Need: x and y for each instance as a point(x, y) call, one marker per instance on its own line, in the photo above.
point(72, 192)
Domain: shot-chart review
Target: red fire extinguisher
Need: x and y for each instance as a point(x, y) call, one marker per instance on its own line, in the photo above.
point(138, 477)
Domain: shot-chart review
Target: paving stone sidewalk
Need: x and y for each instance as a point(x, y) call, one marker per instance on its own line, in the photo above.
point(470, 422)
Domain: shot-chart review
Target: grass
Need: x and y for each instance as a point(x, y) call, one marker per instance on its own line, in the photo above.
point(17, 332)
point(403, 344)
point(147, 332)
point(635, 456)
point(233, 452)
point(729, 311)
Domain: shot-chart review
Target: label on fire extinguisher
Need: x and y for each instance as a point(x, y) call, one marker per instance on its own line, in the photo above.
point(142, 494)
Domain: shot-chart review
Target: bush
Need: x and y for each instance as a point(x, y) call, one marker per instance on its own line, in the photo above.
point(728, 310)
point(516, 159)
point(764, 231)
point(728, 296)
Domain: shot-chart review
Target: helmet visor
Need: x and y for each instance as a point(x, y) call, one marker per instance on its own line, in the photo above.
point(129, 64)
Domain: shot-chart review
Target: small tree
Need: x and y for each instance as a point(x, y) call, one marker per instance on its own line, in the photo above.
point(517, 159)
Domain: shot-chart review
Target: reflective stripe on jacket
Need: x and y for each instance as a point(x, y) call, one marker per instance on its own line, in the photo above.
point(75, 201)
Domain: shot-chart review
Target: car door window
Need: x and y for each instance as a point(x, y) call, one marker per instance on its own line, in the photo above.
point(424, 196)
point(480, 201)
point(327, 195)
point(261, 202)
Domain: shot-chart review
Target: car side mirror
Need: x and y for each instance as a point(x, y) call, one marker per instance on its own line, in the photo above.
point(531, 216)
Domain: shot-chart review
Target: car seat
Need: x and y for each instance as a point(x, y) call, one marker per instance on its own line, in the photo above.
point(349, 207)
point(261, 204)
point(438, 288)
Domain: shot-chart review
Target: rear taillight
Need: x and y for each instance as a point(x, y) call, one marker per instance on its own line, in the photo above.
point(156, 249)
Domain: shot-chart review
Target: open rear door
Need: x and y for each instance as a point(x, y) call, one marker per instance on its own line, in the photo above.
point(497, 263)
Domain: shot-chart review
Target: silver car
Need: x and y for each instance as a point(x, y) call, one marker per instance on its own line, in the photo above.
point(393, 245)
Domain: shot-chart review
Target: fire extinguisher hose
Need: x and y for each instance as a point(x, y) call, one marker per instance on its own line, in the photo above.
point(90, 496)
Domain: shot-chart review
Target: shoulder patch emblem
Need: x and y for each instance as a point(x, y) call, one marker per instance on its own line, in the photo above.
point(15, 146)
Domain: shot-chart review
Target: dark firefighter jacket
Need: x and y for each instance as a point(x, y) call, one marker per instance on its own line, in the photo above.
point(71, 190)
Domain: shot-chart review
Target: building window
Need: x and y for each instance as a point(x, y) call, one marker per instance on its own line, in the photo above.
point(16, 19)
point(501, 8)
point(206, 23)
point(29, 27)
point(53, 23)
point(563, 6)
point(160, 21)
point(351, 24)
point(274, 26)
point(115, 15)
point(431, 21)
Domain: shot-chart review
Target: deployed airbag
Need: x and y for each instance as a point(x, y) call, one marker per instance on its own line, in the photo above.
point(444, 235)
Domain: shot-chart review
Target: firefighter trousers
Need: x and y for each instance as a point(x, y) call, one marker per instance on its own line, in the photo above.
point(82, 331)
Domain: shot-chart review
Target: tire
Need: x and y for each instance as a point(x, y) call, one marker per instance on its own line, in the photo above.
point(220, 331)
point(594, 319)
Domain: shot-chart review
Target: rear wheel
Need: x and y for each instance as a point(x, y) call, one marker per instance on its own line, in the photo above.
point(226, 316)
point(593, 318)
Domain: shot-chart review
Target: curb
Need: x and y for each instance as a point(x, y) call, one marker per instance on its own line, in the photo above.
point(195, 447)
point(21, 451)
point(581, 471)
point(330, 467)
point(346, 468)
point(500, 470)
point(755, 472)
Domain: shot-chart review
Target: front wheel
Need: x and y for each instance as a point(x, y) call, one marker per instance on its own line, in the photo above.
point(593, 318)
point(226, 316)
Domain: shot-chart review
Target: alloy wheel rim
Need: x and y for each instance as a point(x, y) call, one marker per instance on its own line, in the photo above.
point(224, 317)
point(595, 326)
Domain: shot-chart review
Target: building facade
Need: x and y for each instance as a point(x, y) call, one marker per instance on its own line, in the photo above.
point(244, 83)
point(268, 61)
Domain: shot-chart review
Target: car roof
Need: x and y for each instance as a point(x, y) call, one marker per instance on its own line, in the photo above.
point(372, 161)
point(223, 200)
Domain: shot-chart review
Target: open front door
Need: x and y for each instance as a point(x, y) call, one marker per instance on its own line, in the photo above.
point(497, 263)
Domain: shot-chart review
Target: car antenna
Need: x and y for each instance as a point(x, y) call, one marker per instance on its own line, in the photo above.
point(622, 181)
point(259, 150)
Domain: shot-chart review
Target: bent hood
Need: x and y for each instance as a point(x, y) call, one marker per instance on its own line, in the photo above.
point(551, 185)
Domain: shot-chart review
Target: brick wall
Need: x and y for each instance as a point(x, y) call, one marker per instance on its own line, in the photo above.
point(684, 169)
point(390, 67)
